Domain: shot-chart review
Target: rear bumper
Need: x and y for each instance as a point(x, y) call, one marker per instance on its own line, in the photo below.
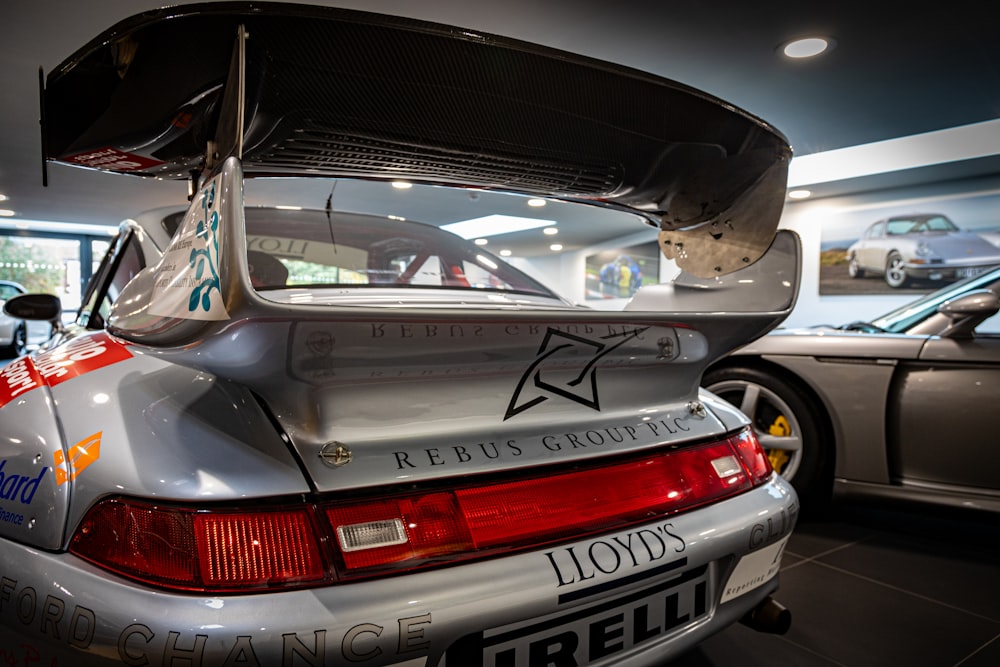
point(629, 598)
point(945, 271)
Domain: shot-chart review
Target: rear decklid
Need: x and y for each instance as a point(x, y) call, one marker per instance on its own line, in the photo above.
point(398, 390)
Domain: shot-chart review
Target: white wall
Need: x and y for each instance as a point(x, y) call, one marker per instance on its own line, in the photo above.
point(807, 219)
point(975, 199)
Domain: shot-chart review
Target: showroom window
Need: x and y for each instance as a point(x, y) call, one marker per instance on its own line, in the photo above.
point(59, 264)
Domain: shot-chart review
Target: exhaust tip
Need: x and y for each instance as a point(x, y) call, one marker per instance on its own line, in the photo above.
point(769, 616)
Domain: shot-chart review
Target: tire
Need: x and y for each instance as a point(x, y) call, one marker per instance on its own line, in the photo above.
point(18, 344)
point(853, 270)
point(895, 272)
point(786, 422)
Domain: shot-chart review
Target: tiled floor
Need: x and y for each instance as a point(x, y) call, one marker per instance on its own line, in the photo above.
point(883, 587)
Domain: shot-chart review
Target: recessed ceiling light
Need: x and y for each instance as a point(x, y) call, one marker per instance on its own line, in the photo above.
point(6, 213)
point(505, 253)
point(807, 47)
point(492, 225)
point(556, 247)
point(536, 202)
point(3, 197)
point(402, 185)
point(799, 194)
point(480, 241)
point(550, 231)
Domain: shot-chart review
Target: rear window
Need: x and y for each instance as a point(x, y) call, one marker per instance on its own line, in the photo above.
point(299, 248)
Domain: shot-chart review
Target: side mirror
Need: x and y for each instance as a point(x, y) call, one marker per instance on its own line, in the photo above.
point(968, 311)
point(39, 307)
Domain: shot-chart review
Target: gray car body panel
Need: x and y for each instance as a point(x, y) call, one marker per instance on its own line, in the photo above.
point(892, 401)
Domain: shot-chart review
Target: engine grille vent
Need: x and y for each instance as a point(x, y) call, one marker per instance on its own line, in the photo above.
point(345, 154)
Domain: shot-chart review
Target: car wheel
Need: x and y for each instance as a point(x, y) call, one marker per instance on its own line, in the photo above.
point(786, 424)
point(895, 272)
point(853, 270)
point(18, 344)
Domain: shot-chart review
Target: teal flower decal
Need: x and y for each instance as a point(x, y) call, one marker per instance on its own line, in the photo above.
point(205, 261)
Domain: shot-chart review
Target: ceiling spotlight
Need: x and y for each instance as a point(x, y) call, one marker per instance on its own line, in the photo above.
point(6, 213)
point(402, 185)
point(536, 203)
point(807, 47)
point(480, 241)
point(505, 253)
point(799, 194)
point(3, 197)
point(550, 231)
point(556, 247)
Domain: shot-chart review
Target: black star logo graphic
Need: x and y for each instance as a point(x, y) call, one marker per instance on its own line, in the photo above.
point(547, 372)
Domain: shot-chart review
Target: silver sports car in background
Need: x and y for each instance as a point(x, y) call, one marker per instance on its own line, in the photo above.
point(313, 418)
point(925, 246)
point(13, 332)
point(896, 408)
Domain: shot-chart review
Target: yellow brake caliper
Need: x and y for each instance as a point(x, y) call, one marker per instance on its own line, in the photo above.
point(778, 457)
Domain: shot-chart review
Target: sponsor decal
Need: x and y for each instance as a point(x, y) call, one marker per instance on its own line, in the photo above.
point(56, 621)
point(77, 357)
point(773, 528)
point(753, 571)
point(767, 544)
point(187, 283)
point(18, 377)
point(617, 559)
point(113, 159)
point(647, 432)
point(595, 633)
point(546, 378)
point(80, 455)
point(18, 488)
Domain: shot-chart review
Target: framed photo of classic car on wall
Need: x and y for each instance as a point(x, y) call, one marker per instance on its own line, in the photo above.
point(910, 247)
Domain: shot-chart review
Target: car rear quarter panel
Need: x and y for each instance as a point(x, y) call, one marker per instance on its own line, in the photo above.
point(97, 419)
point(33, 502)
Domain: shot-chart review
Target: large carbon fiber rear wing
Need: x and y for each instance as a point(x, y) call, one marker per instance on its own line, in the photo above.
point(343, 93)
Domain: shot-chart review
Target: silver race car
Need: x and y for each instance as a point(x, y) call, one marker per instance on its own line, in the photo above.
point(921, 246)
point(867, 409)
point(310, 419)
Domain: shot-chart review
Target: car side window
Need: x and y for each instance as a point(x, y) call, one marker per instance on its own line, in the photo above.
point(122, 262)
point(990, 326)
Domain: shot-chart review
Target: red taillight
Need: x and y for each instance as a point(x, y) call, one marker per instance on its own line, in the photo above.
point(259, 548)
point(184, 549)
point(753, 456)
point(244, 550)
